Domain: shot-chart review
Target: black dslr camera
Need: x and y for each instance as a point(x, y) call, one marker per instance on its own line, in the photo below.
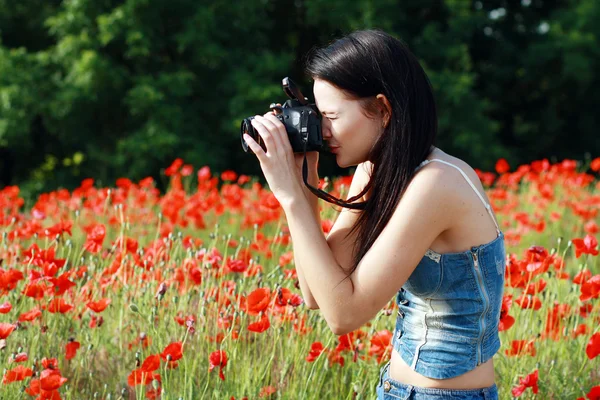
point(302, 122)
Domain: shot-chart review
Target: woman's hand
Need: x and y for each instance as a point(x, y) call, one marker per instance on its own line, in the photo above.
point(279, 163)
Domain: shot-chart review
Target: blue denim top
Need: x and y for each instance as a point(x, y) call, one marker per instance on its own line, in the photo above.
point(449, 308)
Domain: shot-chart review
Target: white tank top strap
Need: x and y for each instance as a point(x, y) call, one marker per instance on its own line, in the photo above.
point(486, 205)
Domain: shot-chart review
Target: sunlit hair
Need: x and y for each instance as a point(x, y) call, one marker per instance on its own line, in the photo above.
point(362, 65)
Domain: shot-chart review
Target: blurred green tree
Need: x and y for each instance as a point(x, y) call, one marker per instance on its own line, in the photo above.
point(106, 88)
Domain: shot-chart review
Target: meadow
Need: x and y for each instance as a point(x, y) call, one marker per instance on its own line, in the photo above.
point(124, 292)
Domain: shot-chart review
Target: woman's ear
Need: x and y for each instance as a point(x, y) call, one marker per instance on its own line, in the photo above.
point(386, 109)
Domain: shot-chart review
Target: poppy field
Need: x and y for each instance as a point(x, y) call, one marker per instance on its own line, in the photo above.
point(125, 292)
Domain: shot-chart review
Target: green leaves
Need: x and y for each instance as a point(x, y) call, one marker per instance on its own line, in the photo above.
point(133, 84)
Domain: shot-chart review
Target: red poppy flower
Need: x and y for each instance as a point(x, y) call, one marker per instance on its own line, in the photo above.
point(9, 279)
point(98, 306)
point(286, 297)
point(540, 165)
point(217, 359)
point(58, 305)
point(51, 379)
point(381, 344)
point(5, 308)
point(590, 289)
point(594, 393)
point(347, 341)
point(187, 170)
point(315, 351)
point(30, 315)
point(71, 349)
point(62, 283)
point(487, 178)
point(174, 167)
point(502, 166)
point(50, 363)
point(6, 329)
point(139, 377)
point(593, 347)
point(20, 357)
point(506, 322)
point(229, 175)
point(151, 363)
point(258, 301)
point(243, 179)
point(95, 238)
point(16, 374)
point(129, 244)
point(59, 228)
point(175, 350)
point(34, 290)
point(586, 245)
point(203, 174)
point(524, 383)
point(34, 387)
point(260, 326)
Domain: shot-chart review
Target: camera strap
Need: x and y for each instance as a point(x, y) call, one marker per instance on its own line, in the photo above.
point(318, 192)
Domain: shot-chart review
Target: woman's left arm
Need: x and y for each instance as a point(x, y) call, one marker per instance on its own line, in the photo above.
point(423, 213)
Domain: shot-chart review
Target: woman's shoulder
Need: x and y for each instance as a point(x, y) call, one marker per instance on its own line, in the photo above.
point(450, 166)
point(455, 182)
point(466, 217)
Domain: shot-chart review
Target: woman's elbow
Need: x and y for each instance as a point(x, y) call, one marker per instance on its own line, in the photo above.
point(339, 330)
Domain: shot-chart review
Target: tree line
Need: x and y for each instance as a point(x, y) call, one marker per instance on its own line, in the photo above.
point(108, 89)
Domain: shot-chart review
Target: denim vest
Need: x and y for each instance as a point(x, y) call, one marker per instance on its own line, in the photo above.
point(449, 308)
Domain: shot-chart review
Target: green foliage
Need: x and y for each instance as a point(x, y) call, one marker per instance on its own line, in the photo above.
point(131, 85)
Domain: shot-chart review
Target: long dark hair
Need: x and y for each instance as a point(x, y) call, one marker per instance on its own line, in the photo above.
point(362, 65)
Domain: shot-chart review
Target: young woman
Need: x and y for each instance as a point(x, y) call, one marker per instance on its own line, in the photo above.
point(426, 233)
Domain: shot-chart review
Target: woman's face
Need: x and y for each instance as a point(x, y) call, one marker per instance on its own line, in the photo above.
point(348, 131)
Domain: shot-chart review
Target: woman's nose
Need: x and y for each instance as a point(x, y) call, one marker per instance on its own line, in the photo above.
point(325, 130)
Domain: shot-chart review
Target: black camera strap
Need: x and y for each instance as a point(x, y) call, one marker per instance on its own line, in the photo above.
point(318, 192)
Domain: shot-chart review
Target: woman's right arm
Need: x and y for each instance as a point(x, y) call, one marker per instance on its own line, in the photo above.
point(341, 247)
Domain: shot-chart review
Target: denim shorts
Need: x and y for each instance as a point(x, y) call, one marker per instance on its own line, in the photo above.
point(389, 389)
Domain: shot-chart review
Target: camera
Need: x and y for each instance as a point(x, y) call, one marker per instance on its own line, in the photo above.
point(302, 122)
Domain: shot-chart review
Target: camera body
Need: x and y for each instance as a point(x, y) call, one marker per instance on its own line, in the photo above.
point(302, 122)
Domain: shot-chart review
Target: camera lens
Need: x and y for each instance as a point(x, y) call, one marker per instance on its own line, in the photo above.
point(248, 129)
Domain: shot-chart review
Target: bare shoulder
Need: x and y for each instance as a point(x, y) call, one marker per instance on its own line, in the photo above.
point(456, 163)
point(447, 182)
